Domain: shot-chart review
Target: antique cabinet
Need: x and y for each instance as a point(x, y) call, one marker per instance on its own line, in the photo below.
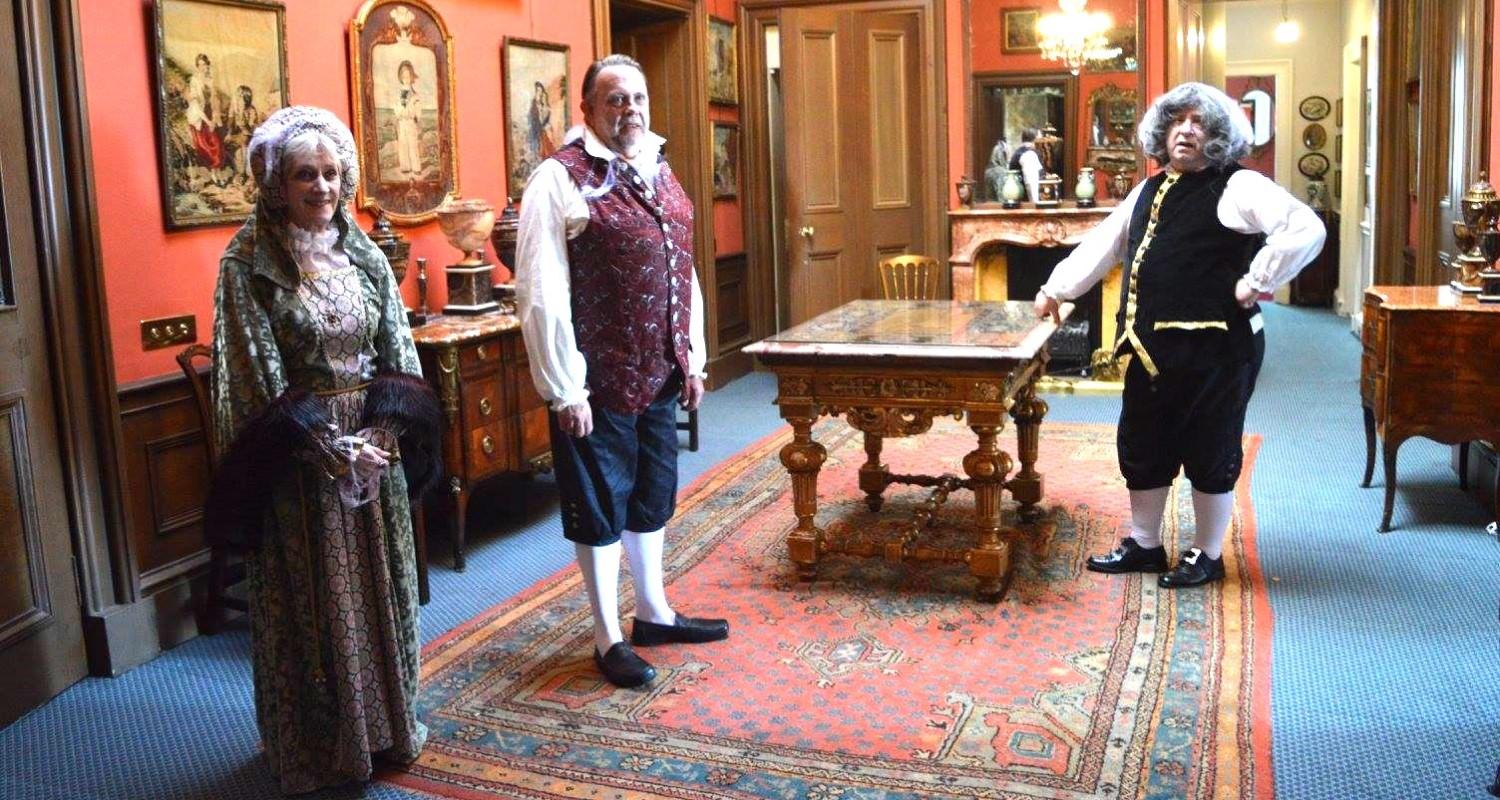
point(1428, 369)
point(496, 422)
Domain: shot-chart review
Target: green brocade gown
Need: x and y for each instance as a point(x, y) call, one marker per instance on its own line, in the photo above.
point(332, 591)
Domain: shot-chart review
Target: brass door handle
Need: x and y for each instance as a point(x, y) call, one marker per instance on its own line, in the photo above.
point(807, 230)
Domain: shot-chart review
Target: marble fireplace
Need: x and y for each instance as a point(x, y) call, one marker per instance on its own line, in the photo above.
point(1006, 254)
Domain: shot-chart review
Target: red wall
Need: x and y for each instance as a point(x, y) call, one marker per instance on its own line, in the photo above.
point(150, 272)
point(982, 39)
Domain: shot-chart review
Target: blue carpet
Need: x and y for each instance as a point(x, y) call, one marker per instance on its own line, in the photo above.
point(1385, 676)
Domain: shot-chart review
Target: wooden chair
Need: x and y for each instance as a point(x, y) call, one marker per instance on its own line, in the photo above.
point(221, 573)
point(909, 277)
point(691, 426)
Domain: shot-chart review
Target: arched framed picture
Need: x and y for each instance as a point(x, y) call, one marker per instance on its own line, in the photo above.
point(401, 83)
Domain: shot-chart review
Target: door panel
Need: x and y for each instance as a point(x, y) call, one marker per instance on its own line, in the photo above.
point(854, 185)
point(41, 639)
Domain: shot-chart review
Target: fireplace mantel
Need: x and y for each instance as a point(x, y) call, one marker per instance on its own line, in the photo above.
point(973, 228)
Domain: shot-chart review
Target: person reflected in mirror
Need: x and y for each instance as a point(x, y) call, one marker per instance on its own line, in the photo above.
point(612, 317)
point(1200, 241)
point(326, 430)
point(994, 172)
point(1026, 159)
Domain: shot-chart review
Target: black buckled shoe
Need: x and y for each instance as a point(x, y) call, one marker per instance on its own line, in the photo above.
point(1130, 557)
point(686, 630)
point(622, 667)
point(1195, 569)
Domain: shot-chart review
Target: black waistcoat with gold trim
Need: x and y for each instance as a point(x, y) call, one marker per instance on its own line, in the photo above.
point(1185, 314)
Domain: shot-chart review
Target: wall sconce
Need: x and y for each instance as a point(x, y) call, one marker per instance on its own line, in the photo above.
point(1287, 31)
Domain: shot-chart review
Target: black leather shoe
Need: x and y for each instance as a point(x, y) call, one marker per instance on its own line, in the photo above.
point(686, 630)
point(1195, 569)
point(1130, 557)
point(622, 667)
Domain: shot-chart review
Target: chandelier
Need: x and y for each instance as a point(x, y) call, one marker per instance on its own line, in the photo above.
point(1074, 36)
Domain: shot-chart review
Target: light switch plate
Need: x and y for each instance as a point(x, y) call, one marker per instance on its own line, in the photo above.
point(168, 331)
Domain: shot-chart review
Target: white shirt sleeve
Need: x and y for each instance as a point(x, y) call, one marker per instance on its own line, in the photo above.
point(552, 212)
point(1101, 249)
point(697, 348)
point(1031, 173)
point(1253, 203)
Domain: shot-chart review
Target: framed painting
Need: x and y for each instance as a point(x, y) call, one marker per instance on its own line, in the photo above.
point(401, 82)
point(723, 81)
point(537, 112)
point(1018, 30)
point(220, 71)
point(726, 160)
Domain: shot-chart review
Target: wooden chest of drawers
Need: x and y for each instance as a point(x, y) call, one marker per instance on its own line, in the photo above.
point(1429, 368)
point(496, 422)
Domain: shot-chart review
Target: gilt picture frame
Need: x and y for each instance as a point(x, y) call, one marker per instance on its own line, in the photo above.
point(1018, 30)
point(726, 160)
point(538, 113)
point(221, 69)
point(723, 75)
point(404, 122)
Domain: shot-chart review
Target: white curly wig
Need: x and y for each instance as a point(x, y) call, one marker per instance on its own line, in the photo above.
point(274, 138)
point(1227, 130)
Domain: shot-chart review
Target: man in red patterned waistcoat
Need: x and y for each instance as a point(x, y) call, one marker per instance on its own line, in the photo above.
point(613, 321)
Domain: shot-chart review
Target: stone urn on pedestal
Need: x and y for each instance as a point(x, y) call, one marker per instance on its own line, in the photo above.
point(467, 224)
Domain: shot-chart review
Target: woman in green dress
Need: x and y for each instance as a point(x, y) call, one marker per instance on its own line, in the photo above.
point(308, 329)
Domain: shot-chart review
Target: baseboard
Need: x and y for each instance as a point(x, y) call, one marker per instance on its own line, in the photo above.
point(727, 367)
point(123, 637)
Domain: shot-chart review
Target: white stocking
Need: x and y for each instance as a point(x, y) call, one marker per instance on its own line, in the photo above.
point(601, 577)
point(644, 551)
point(1146, 509)
point(1212, 514)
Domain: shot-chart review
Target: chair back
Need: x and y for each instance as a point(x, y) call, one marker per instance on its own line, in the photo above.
point(188, 359)
point(909, 277)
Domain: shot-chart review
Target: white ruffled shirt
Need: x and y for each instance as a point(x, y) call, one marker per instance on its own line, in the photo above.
point(1251, 203)
point(552, 212)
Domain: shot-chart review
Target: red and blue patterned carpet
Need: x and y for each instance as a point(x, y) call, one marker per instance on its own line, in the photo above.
point(876, 681)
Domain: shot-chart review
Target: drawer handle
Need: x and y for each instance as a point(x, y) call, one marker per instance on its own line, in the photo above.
point(487, 444)
point(481, 352)
point(484, 407)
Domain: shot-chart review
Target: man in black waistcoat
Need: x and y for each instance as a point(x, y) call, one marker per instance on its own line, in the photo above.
point(1200, 242)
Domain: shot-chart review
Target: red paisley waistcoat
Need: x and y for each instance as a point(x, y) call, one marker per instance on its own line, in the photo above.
point(631, 274)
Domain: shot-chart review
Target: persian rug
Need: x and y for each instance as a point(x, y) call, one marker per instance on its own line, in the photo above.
point(877, 681)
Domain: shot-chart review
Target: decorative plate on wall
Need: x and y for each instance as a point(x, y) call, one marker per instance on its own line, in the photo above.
point(1314, 108)
point(1314, 137)
point(1313, 165)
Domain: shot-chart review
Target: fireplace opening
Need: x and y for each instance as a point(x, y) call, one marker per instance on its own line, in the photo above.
point(1073, 346)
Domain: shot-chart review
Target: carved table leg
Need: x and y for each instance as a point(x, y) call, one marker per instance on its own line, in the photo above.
point(873, 475)
point(460, 509)
point(802, 458)
point(986, 467)
point(1369, 446)
point(1026, 486)
point(1391, 446)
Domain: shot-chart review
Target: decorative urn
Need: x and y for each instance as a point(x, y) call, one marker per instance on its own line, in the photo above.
point(1085, 190)
point(503, 235)
point(1477, 236)
point(467, 224)
point(1012, 191)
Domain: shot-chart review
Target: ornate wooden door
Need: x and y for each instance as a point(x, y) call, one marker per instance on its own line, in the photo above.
point(41, 639)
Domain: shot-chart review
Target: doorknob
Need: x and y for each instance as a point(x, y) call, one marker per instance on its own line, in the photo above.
point(807, 230)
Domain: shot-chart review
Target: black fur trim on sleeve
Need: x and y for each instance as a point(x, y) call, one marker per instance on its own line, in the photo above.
point(264, 451)
point(407, 405)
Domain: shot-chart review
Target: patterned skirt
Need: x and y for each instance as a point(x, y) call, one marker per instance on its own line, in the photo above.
point(334, 629)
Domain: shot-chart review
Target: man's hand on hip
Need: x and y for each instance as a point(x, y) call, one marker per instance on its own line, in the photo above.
point(1245, 294)
point(692, 393)
point(576, 420)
